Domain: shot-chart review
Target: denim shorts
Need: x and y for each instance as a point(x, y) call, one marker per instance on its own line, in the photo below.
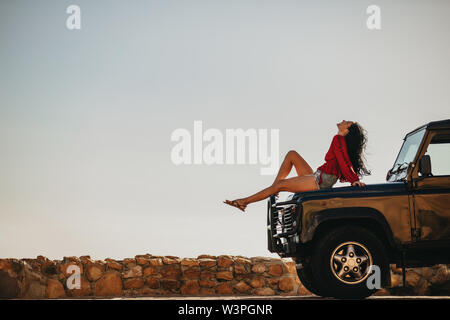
point(328, 180)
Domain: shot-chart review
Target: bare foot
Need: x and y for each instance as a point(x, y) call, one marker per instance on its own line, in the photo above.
point(236, 203)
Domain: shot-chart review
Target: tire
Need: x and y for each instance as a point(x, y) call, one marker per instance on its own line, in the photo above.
point(305, 276)
point(341, 262)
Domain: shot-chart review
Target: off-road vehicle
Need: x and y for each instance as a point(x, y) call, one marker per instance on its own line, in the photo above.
point(337, 235)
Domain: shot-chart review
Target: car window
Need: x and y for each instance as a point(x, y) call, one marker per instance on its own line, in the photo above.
point(439, 152)
point(409, 148)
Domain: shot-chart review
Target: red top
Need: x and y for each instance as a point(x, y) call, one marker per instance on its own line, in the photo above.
point(337, 161)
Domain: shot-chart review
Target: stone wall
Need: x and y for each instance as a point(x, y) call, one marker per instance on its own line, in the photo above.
point(432, 281)
point(147, 275)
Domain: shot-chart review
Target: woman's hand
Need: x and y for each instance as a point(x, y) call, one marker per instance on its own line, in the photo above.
point(358, 183)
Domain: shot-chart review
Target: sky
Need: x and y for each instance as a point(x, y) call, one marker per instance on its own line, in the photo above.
point(87, 115)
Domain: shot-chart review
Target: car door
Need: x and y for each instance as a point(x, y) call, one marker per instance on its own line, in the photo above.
point(431, 193)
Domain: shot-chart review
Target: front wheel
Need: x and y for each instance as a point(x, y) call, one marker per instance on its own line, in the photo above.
point(343, 260)
point(305, 276)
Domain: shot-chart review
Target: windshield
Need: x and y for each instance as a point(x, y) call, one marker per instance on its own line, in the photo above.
point(408, 150)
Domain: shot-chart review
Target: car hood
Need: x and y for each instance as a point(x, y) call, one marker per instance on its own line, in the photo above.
point(388, 188)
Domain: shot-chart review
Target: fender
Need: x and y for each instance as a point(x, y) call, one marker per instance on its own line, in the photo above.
point(349, 214)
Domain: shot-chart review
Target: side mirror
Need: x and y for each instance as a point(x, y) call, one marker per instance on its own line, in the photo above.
point(425, 166)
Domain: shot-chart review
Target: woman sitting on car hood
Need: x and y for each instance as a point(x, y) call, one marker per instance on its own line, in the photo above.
point(343, 161)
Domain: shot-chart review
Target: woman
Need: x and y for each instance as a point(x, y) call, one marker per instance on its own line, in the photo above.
point(343, 161)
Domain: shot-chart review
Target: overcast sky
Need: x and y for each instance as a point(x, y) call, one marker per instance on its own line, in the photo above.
point(86, 116)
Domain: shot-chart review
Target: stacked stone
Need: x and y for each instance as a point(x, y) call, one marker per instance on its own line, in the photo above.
point(11, 278)
point(433, 281)
point(148, 275)
point(210, 275)
point(206, 275)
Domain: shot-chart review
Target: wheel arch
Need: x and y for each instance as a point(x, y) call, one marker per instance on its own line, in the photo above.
point(324, 221)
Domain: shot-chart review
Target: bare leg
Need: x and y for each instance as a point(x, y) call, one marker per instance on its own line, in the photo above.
point(293, 159)
point(295, 184)
point(304, 182)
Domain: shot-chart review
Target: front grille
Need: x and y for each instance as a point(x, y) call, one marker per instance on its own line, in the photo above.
point(284, 220)
point(283, 225)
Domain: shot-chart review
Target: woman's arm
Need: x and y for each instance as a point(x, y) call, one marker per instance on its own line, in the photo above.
point(340, 150)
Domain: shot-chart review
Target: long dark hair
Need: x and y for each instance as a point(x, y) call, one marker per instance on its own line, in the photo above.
point(356, 140)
